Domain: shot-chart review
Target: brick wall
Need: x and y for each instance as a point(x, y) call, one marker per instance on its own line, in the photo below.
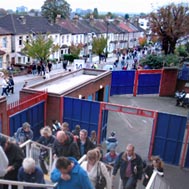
point(3, 114)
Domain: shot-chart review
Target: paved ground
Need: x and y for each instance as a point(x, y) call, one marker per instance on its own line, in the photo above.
point(137, 130)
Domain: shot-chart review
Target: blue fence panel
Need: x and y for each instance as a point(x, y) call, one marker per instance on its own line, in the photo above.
point(149, 83)
point(104, 125)
point(187, 159)
point(33, 115)
point(82, 112)
point(122, 82)
point(169, 137)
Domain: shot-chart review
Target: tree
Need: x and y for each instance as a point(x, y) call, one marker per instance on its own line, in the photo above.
point(126, 17)
point(142, 41)
point(98, 46)
point(40, 47)
point(75, 49)
point(95, 13)
point(170, 23)
point(52, 8)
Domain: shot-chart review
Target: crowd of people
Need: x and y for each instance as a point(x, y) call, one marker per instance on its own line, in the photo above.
point(67, 148)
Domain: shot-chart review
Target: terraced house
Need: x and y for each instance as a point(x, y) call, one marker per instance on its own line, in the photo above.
point(15, 29)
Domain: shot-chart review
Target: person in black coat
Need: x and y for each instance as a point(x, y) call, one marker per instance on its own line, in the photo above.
point(156, 165)
point(15, 157)
point(84, 142)
point(64, 145)
point(46, 139)
point(131, 167)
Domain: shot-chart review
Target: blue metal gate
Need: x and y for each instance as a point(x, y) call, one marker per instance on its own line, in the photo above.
point(169, 136)
point(149, 83)
point(34, 115)
point(122, 82)
point(82, 112)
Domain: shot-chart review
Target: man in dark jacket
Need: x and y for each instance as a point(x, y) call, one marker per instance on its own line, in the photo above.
point(15, 157)
point(84, 142)
point(64, 145)
point(131, 167)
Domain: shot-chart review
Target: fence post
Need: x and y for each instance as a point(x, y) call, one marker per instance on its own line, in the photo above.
point(183, 154)
point(135, 83)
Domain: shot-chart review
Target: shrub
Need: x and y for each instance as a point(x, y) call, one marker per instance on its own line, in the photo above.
point(157, 61)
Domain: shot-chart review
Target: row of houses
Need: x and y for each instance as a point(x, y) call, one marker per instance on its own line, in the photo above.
point(15, 29)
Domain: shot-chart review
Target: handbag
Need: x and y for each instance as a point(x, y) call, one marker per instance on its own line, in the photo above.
point(100, 180)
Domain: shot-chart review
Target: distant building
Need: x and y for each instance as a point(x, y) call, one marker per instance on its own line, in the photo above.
point(21, 9)
point(144, 23)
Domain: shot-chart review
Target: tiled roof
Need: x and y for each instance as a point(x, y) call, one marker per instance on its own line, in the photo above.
point(4, 31)
point(26, 24)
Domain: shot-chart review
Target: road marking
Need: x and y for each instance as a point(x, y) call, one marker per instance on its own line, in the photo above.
point(125, 119)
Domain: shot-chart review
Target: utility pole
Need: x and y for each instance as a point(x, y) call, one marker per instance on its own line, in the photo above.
point(107, 27)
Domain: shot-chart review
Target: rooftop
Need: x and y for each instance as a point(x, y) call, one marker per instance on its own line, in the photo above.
point(65, 83)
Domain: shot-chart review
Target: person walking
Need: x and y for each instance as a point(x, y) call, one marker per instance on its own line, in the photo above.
point(24, 133)
point(157, 165)
point(64, 145)
point(69, 175)
point(46, 139)
point(131, 167)
point(15, 157)
point(29, 172)
point(4, 86)
point(94, 167)
point(84, 142)
point(11, 85)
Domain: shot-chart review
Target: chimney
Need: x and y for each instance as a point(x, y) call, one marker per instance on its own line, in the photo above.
point(58, 18)
point(75, 18)
point(22, 19)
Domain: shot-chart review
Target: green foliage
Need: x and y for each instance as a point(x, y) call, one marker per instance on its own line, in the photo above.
point(157, 62)
point(99, 45)
point(181, 51)
point(76, 49)
point(40, 47)
point(126, 16)
point(52, 8)
point(70, 57)
point(95, 13)
point(187, 47)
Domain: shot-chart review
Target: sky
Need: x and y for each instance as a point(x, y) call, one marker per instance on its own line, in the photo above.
point(125, 6)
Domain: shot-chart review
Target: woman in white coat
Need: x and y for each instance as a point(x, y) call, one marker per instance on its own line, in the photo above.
point(90, 166)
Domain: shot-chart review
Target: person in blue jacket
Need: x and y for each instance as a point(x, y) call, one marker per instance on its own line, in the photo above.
point(29, 172)
point(70, 175)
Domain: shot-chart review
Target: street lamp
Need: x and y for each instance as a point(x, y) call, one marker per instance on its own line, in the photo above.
point(107, 27)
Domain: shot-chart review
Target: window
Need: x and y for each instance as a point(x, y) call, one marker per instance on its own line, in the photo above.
point(27, 39)
point(20, 40)
point(63, 39)
point(4, 42)
point(142, 24)
point(67, 38)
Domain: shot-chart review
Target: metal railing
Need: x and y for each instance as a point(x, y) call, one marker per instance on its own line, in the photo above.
point(157, 182)
point(21, 185)
point(32, 149)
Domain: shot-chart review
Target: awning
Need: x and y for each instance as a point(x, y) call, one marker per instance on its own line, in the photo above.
point(20, 54)
point(2, 52)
